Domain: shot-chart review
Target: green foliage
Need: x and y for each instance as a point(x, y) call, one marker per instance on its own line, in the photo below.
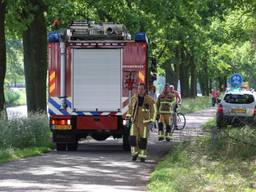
point(11, 97)
point(195, 104)
point(231, 49)
point(11, 154)
point(234, 143)
point(212, 37)
point(201, 165)
point(25, 132)
point(210, 125)
point(15, 70)
point(15, 97)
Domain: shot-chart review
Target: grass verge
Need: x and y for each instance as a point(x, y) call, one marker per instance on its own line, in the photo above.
point(11, 154)
point(196, 104)
point(205, 165)
point(23, 137)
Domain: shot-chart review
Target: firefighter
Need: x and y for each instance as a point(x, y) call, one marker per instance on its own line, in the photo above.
point(164, 106)
point(141, 112)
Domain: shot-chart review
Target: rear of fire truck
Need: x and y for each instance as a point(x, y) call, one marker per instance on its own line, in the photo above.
point(93, 71)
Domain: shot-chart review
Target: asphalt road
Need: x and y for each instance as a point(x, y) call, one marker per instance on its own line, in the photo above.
point(96, 166)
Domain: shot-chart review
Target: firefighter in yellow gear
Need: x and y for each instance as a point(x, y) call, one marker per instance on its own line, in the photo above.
point(141, 112)
point(164, 104)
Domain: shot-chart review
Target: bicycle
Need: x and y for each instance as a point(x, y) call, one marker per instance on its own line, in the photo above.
point(179, 119)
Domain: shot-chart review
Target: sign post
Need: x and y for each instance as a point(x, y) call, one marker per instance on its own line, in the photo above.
point(236, 80)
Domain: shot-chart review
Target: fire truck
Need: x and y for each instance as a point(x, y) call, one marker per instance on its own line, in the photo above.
point(94, 70)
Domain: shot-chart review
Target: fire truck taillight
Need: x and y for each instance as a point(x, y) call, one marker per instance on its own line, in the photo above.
point(61, 124)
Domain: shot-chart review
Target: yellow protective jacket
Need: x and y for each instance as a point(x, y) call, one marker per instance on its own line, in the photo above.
point(165, 103)
point(144, 114)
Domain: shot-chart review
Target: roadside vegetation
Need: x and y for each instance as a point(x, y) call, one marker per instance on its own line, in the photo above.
point(226, 162)
point(195, 104)
point(15, 97)
point(22, 137)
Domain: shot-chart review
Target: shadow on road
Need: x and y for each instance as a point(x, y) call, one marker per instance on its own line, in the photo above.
point(96, 166)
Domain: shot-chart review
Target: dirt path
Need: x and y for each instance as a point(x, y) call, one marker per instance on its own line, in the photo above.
point(96, 166)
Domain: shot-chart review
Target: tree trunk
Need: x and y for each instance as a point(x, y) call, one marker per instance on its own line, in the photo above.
point(169, 73)
point(172, 72)
point(184, 73)
point(2, 55)
point(204, 78)
point(202, 82)
point(225, 83)
point(35, 59)
point(193, 90)
point(220, 81)
point(177, 66)
point(171, 76)
point(211, 84)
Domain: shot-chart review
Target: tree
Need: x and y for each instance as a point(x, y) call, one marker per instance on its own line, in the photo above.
point(35, 56)
point(2, 53)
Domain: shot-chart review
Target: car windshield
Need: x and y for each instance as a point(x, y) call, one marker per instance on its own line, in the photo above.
point(239, 99)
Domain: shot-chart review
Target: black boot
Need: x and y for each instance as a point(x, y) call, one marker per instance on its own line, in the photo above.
point(160, 131)
point(142, 159)
point(134, 157)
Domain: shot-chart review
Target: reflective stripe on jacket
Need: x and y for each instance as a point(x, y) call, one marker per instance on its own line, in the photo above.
point(143, 114)
point(165, 103)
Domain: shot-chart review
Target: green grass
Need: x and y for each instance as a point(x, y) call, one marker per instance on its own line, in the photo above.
point(205, 165)
point(11, 154)
point(25, 132)
point(209, 125)
point(192, 105)
point(24, 137)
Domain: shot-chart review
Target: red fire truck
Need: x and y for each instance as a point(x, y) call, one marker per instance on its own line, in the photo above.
point(93, 71)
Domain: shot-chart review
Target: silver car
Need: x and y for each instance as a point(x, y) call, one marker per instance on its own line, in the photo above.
point(236, 108)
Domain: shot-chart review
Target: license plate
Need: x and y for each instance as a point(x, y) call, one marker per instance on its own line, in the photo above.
point(62, 126)
point(238, 110)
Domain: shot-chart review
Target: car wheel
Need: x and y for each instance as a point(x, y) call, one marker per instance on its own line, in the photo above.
point(72, 146)
point(61, 146)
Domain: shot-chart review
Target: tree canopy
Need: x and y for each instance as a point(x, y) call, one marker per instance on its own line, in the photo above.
point(194, 41)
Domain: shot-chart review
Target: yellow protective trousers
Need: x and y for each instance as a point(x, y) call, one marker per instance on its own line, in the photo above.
point(138, 139)
point(165, 121)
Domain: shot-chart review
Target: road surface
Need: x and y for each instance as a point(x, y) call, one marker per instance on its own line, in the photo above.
point(96, 166)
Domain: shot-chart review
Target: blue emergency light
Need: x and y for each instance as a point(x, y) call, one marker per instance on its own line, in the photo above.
point(141, 37)
point(53, 37)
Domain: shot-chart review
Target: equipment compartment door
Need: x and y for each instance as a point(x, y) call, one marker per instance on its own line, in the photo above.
point(97, 79)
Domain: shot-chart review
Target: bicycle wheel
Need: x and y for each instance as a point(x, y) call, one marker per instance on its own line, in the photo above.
point(180, 121)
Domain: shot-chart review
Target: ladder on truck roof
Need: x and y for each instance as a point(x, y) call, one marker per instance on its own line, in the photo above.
point(83, 30)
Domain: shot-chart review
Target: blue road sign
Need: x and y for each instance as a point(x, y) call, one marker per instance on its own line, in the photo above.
point(236, 80)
